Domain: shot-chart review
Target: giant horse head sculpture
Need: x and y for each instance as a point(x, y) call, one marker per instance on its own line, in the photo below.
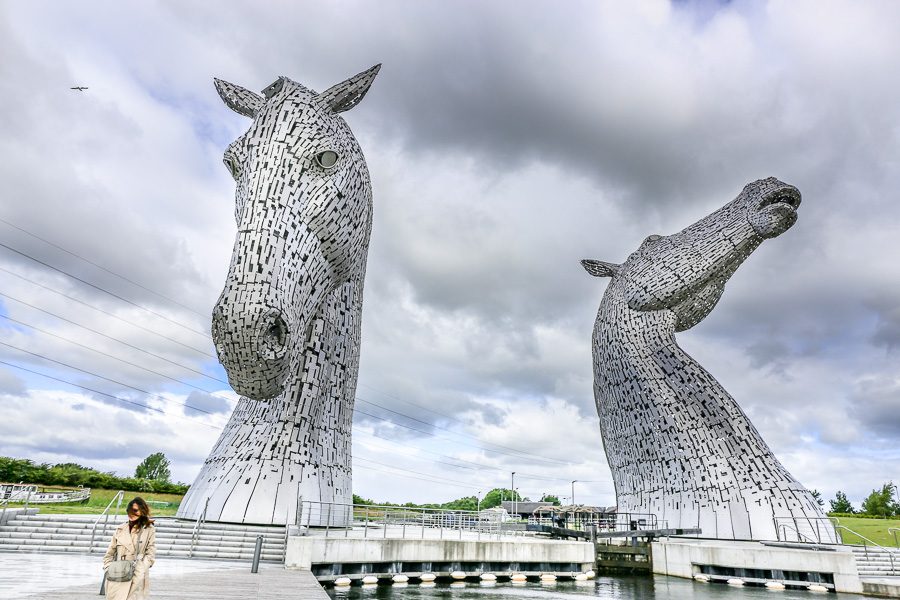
point(303, 207)
point(287, 325)
point(678, 445)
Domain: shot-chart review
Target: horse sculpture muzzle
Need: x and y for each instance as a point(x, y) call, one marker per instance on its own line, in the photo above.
point(253, 347)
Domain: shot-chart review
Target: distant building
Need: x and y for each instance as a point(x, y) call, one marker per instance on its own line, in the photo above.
point(523, 510)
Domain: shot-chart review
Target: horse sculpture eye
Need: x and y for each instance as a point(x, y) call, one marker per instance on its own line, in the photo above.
point(327, 159)
point(232, 166)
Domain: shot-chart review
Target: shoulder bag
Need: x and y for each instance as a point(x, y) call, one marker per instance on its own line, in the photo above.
point(123, 570)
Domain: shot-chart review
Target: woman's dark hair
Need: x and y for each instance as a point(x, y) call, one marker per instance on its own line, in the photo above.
point(142, 521)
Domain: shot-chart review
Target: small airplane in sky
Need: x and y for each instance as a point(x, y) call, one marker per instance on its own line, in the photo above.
point(80, 88)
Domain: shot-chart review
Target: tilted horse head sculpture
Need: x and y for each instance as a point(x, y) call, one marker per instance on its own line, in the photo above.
point(678, 445)
point(287, 325)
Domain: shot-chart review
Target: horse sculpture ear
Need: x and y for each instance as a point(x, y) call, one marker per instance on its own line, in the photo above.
point(598, 268)
point(349, 93)
point(238, 99)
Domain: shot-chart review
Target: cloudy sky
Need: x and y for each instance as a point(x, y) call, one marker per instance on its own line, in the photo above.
point(506, 141)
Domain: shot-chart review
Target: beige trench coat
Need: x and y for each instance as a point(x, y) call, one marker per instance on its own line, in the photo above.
point(124, 541)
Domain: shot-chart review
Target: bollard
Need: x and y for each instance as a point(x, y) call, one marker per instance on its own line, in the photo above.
point(256, 552)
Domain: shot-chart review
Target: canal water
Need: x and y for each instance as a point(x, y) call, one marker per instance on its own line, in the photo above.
point(619, 588)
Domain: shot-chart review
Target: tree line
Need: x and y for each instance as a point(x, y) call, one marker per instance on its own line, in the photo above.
point(151, 475)
point(491, 499)
point(881, 503)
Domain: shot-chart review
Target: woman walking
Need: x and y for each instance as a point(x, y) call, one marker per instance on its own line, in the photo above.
point(133, 542)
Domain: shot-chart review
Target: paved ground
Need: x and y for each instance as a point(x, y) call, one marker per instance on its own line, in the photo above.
point(77, 577)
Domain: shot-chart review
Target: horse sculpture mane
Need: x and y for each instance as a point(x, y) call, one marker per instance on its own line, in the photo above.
point(287, 325)
point(678, 445)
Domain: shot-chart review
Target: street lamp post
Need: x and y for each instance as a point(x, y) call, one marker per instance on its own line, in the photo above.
point(513, 492)
point(573, 491)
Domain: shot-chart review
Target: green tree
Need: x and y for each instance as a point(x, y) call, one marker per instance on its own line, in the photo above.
point(497, 495)
point(881, 502)
point(818, 496)
point(467, 503)
point(840, 504)
point(551, 498)
point(155, 468)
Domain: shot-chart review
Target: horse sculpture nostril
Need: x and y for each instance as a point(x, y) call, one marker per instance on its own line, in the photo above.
point(274, 334)
point(277, 333)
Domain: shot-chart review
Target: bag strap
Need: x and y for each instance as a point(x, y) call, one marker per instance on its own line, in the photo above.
point(137, 548)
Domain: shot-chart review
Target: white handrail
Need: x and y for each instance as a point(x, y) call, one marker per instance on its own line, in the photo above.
point(118, 499)
point(800, 536)
point(196, 533)
point(890, 552)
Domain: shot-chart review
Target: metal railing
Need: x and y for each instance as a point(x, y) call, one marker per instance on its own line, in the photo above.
point(889, 551)
point(601, 521)
point(195, 534)
point(5, 504)
point(105, 515)
point(813, 530)
point(800, 536)
point(894, 531)
point(334, 519)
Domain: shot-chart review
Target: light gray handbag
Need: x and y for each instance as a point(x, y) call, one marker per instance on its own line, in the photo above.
point(123, 570)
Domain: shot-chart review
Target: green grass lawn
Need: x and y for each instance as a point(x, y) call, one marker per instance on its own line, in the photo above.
point(100, 498)
point(874, 529)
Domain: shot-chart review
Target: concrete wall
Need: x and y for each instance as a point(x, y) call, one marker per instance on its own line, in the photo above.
point(677, 557)
point(303, 551)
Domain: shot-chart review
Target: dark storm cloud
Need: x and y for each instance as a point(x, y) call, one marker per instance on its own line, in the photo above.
point(876, 404)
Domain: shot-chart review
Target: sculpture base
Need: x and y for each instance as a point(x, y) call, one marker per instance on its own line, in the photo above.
point(259, 470)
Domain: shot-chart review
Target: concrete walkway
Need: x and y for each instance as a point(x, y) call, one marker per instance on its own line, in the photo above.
point(78, 578)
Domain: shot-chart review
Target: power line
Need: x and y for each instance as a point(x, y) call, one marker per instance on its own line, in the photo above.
point(523, 453)
point(461, 483)
point(92, 374)
point(215, 394)
point(100, 310)
point(122, 360)
point(431, 478)
point(411, 403)
point(98, 288)
point(476, 466)
point(109, 337)
point(518, 452)
point(159, 410)
point(102, 268)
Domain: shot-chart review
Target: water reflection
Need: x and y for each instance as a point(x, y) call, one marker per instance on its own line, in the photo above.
point(618, 588)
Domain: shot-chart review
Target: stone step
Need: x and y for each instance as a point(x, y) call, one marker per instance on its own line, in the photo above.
point(162, 548)
point(160, 532)
point(72, 534)
point(198, 553)
point(75, 521)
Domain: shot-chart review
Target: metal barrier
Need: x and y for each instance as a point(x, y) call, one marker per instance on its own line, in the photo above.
point(118, 500)
point(331, 519)
point(814, 530)
point(889, 551)
point(601, 521)
point(894, 531)
point(195, 534)
point(800, 537)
